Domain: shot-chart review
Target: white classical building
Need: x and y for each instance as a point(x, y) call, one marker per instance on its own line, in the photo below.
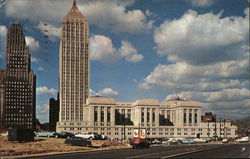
point(174, 118)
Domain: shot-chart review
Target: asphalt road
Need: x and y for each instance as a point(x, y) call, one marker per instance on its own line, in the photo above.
point(214, 151)
point(229, 151)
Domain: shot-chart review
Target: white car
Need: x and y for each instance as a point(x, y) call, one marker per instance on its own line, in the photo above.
point(243, 140)
point(224, 140)
point(199, 140)
point(89, 135)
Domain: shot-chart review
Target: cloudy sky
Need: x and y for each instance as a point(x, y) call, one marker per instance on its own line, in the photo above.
point(197, 49)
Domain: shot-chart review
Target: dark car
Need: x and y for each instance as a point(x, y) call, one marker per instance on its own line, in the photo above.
point(64, 135)
point(77, 141)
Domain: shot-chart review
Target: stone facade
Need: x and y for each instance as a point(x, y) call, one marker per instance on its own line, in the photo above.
point(174, 118)
point(73, 66)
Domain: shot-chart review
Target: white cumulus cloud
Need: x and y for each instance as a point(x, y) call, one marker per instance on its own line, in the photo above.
point(206, 77)
point(203, 38)
point(228, 95)
point(107, 92)
point(32, 43)
point(45, 90)
point(3, 36)
point(112, 15)
point(102, 49)
point(129, 52)
point(201, 3)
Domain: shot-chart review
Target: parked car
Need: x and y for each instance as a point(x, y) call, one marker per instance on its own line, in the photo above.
point(89, 135)
point(165, 140)
point(208, 139)
point(224, 140)
point(243, 140)
point(188, 141)
point(45, 134)
point(156, 141)
point(200, 140)
point(173, 141)
point(64, 135)
point(77, 141)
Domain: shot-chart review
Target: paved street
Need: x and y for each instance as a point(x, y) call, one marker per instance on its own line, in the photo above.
point(213, 151)
point(231, 151)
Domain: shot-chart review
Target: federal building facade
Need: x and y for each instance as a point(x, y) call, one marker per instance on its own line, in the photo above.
point(174, 118)
point(78, 113)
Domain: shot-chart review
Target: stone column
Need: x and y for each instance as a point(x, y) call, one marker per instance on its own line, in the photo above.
point(99, 116)
point(157, 111)
point(137, 116)
point(91, 116)
point(112, 116)
point(198, 116)
point(105, 116)
point(171, 116)
point(181, 122)
point(151, 117)
point(193, 117)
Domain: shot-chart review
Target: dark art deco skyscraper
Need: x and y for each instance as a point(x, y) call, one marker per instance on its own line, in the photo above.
point(74, 66)
point(20, 82)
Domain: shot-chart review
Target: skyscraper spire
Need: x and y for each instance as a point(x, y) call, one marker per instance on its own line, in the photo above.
point(74, 3)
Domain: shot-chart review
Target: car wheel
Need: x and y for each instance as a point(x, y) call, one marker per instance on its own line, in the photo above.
point(56, 136)
point(48, 136)
point(37, 135)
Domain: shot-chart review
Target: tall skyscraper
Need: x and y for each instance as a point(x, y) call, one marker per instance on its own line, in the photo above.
point(20, 82)
point(73, 66)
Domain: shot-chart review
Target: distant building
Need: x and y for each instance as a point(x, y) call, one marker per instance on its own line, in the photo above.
point(173, 118)
point(53, 113)
point(73, 66)
point(18, 105)
point(208, 117)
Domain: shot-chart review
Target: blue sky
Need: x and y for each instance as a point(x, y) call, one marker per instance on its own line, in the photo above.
point(145, 49)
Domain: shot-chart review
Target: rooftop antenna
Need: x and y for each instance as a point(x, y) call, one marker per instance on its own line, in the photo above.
point(74, 3)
